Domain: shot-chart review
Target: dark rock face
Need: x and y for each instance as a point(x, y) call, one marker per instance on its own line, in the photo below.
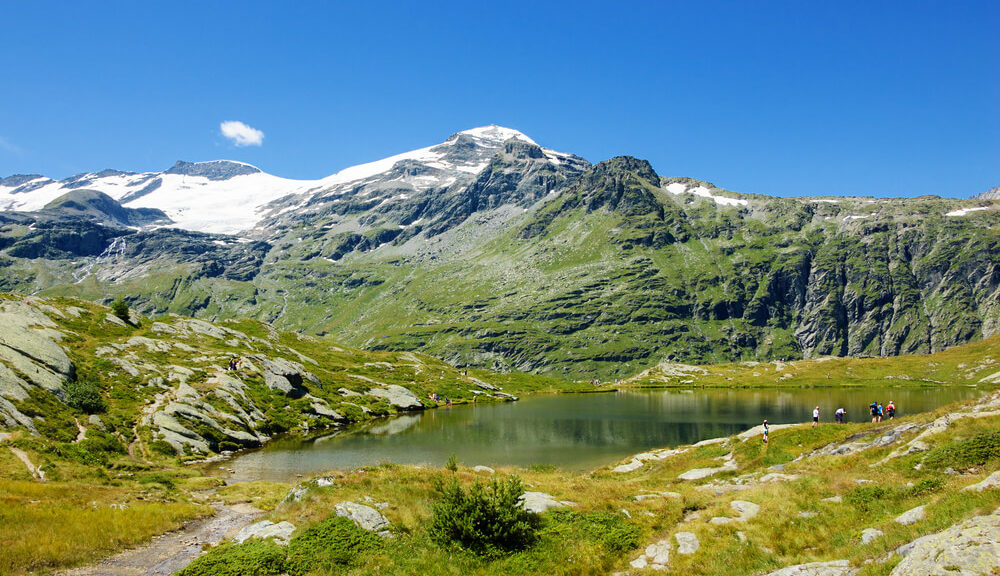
point(18, 180)
point(97, 206)
point(214, 170)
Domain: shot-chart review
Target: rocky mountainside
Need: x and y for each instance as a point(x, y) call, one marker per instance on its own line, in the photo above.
point(489, 250)
point(168, 385)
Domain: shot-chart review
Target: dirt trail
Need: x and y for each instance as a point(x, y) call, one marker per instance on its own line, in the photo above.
point(172, 551)
point(36, 472)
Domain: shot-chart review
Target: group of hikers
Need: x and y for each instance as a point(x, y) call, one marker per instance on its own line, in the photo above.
point(878, 412)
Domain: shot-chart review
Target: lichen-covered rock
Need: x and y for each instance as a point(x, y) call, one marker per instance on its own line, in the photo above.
point(539, 502)
point(911, 516)
point(869, 535)
point(833, 568)
point(687, 543)
point(366, 517)
point(989, 483)
point(398, 396)
point(971, 547)
point(281, 532)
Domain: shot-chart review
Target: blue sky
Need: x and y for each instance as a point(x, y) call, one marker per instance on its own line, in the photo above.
point(780, 98)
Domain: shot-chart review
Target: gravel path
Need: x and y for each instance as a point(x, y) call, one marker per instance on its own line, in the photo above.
point(172, 551)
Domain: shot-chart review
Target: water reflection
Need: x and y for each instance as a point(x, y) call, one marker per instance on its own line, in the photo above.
point(576, 432)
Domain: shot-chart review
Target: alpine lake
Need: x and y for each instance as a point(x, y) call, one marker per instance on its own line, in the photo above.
point(576, 432)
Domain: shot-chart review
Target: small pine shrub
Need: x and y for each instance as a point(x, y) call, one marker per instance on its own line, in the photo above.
point(249, 559)
point(120, 309)
point(329, 546)
point(452, 463)
point(486, 520)
point(84, 395)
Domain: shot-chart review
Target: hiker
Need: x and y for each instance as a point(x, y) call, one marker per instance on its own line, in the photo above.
point(232, 364)
point(766, 431)
point(815, 416)
point(874, 410)
point(881, 411)
point(891, 410)
point(839, 415)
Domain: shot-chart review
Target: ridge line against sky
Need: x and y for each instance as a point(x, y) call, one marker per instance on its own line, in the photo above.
point(783, 98)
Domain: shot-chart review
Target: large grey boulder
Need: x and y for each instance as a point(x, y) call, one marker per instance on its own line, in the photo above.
point(397, 396)
point(967, 548)
point(366, 517)
point(280, 532)
point(30, 342)
point(869, 535)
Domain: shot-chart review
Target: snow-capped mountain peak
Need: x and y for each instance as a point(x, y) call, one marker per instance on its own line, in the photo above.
point(228, 197)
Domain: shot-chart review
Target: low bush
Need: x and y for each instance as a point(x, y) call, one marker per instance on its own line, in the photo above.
point(329, 546)
point(249, 559)
point(964, 454)
point(85, 395)
point(613, 532)
point(486, 520)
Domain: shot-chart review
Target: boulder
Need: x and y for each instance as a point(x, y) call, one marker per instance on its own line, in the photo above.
point(280, 532)
point(869, 535)
point(539, 502)
point(969, 547)
point(398, 397)
point(746, 510)
point(992, 481)
point(833, 568)
point(486, 469)
point(366, 517)
point(911, 516)
point(687, 543)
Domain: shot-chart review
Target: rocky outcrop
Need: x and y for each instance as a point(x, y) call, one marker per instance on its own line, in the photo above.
point(969, 547)
point(280, 533)
point(366, 517)
point(398, 396)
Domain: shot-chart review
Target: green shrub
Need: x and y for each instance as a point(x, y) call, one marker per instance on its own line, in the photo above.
point(452, 463)
point(329, 546)
point(120, 309)
point(85, 395)
point(249, 559)
point(868, 497)
point(616, 533)
point(964, 454)
point(487, 520)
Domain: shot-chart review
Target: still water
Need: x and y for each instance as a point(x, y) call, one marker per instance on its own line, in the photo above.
point(571, 431)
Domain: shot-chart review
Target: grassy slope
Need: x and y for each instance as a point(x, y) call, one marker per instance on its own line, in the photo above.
point(977, 363)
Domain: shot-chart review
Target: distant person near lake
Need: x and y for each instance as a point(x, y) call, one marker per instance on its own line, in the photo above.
point(815, 416)
point(766, 431)
point(891, 410)
point(839, 415)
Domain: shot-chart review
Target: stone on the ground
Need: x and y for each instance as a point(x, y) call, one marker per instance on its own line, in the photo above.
point(835, 499)
point(868, 535)
point(539, 502)
point(746, 510)
point(399, 397)
point(630, 466)
point(486, 469)
point(687, 543)
point(699, 473)
point(280, 532)
point(969, 547)
point(991, 481)
point(658, 553)
point(718, 520)
point(808, 514)
point(833, 568)
point(366, 517)
point(911, 516)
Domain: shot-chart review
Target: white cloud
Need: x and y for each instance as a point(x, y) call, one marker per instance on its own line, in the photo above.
point(241, 134)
